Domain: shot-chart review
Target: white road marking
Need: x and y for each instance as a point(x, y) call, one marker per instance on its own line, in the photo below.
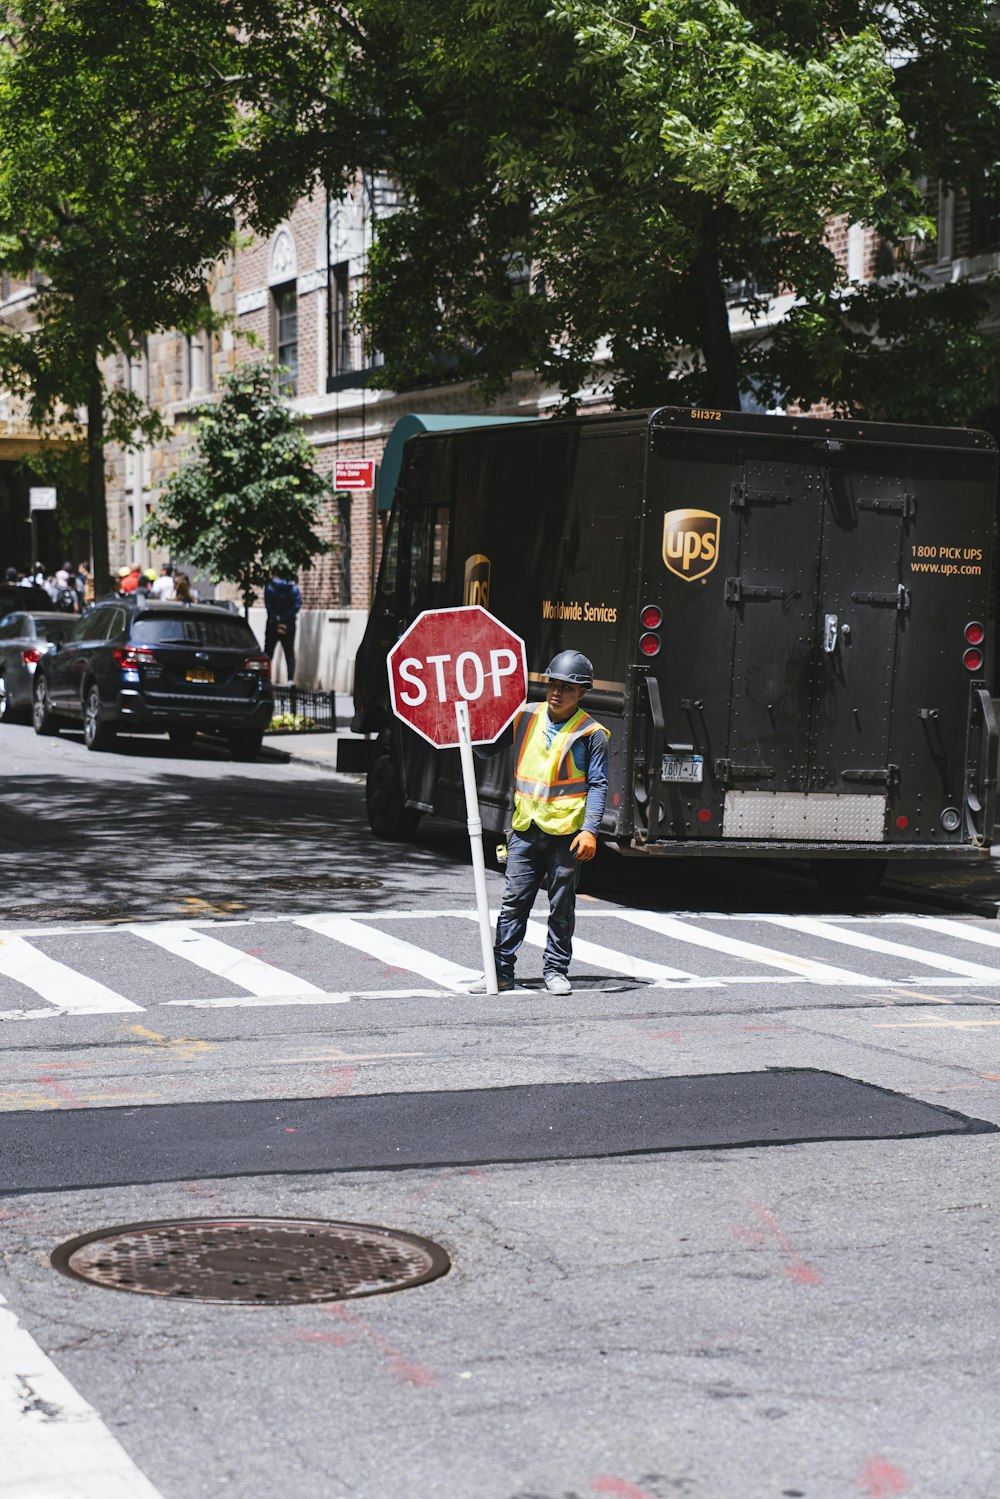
point(71, 992)
point(53, 1444)
point(226, 962)
point(621, 962)
point(241, 1001)
point(962, 930)
point(850, 938)
point(806, 968)
point(392, 951)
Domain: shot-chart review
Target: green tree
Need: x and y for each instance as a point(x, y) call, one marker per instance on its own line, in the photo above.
point(251, 497)
point(133, 138)
point(585, 180)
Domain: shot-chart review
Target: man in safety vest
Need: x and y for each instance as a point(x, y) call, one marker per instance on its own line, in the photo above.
point(560, 785)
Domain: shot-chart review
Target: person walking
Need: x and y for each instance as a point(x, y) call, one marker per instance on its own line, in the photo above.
point(560, 787)
point(282, 600)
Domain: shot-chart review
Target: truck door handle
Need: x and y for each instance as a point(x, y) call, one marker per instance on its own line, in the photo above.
point(830, 633)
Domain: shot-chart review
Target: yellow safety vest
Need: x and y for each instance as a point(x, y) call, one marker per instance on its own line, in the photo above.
point(549, 789)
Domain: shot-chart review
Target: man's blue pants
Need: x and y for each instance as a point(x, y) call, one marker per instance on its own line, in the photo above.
point(531, 856)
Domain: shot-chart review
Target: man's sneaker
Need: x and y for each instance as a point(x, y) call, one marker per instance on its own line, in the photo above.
point(504, 986)
point(558, 983)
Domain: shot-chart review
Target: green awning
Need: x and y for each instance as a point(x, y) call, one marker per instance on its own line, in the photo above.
point(408, 426)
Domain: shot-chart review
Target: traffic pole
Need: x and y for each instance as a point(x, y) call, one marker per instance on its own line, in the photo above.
point(476, 844)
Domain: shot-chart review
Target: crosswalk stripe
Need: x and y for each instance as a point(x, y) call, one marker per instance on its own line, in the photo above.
point(71, 992)
point(392, 951)
point(620, 962)
point(54, 1443)
point(960, 929)
point(830, 932)
point(226, 962)
point(806, 968)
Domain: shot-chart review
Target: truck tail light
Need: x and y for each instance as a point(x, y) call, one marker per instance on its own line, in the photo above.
point(31, 656)
point(259, 665)
point(651, 617)
point(975, 632)
point(649, 644)
point(973, 659)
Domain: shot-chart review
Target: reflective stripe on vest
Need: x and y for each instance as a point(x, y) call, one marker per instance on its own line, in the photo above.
point(549, 789)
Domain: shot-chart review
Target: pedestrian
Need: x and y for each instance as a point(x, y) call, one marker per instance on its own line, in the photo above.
point(163, 588)
point(183, 592)
point(560, 786)
point(282, 600)
point(128, 578)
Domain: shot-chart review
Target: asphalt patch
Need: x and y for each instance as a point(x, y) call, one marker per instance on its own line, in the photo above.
point(82, 1148)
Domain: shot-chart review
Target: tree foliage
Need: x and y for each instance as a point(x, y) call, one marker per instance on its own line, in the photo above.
point(636, 159)
point(250, 498)
point(132, 138)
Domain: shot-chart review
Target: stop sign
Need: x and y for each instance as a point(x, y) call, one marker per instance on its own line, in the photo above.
point(448, 656)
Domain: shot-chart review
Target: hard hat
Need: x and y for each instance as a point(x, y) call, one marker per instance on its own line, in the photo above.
point(570, 666)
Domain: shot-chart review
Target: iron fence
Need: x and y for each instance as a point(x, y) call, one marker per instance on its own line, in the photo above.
point(299, 712)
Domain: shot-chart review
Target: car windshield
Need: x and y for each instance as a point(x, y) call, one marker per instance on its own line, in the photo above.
point(54, 629)
point(193, 629)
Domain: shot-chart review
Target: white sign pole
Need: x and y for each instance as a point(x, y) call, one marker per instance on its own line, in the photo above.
point(476, 843)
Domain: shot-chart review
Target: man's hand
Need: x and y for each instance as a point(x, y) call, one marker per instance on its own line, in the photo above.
point(584, 847)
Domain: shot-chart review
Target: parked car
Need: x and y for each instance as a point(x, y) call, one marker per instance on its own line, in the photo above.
point(24, 639)
point(135, 667)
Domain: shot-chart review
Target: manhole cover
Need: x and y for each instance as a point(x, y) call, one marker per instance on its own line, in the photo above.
point(252, 1261)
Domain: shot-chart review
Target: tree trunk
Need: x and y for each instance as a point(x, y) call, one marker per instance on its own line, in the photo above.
point(722, 387)
point(96, 484)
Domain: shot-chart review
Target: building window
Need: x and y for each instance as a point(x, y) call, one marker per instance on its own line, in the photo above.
point(200, 350)
point(286, 340)
point(341, 289)
point(984, 224)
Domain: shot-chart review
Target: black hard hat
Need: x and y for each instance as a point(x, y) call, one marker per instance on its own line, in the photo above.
point(570, 666)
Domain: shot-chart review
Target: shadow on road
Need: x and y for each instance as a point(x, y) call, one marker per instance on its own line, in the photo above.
point(199, 836)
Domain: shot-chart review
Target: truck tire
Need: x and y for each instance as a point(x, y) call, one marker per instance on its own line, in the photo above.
point(42, 716)
point(246, 744)
point(388, 817)
point(842, 879)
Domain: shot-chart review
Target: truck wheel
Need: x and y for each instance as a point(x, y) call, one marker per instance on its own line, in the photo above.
point(843, 879)
point(388, 817)
point(98, 734)
point(246, 744)
point(42, 716)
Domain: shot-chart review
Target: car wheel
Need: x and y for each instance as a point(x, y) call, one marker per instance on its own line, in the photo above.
point(42, 716)
point(246, 744)
point(388, 816)
point(182, 737)
point(98, 734)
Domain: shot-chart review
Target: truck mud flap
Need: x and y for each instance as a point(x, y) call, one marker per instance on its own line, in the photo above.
point(981, 774)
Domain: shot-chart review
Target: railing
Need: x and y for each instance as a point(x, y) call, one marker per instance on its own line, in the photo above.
point(299, 712)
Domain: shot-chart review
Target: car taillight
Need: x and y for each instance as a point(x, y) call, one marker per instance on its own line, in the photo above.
point(259, 664)
point(651, 617)
point(31, 656)
point(649, 644)
point(132, 655)
point(975, 632)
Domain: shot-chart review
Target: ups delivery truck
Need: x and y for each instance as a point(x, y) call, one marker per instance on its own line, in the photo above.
point(789, 621)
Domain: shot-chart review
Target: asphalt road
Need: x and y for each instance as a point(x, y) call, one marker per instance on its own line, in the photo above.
point(721, 1223)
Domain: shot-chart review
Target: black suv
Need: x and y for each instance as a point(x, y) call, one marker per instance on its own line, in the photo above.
point(154, 668)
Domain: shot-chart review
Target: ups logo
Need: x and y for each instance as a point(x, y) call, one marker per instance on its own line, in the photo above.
point(690, 543)
point(477, 580)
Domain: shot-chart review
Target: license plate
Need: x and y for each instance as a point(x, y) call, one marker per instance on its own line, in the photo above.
point(206, 676)
point(683, 768)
